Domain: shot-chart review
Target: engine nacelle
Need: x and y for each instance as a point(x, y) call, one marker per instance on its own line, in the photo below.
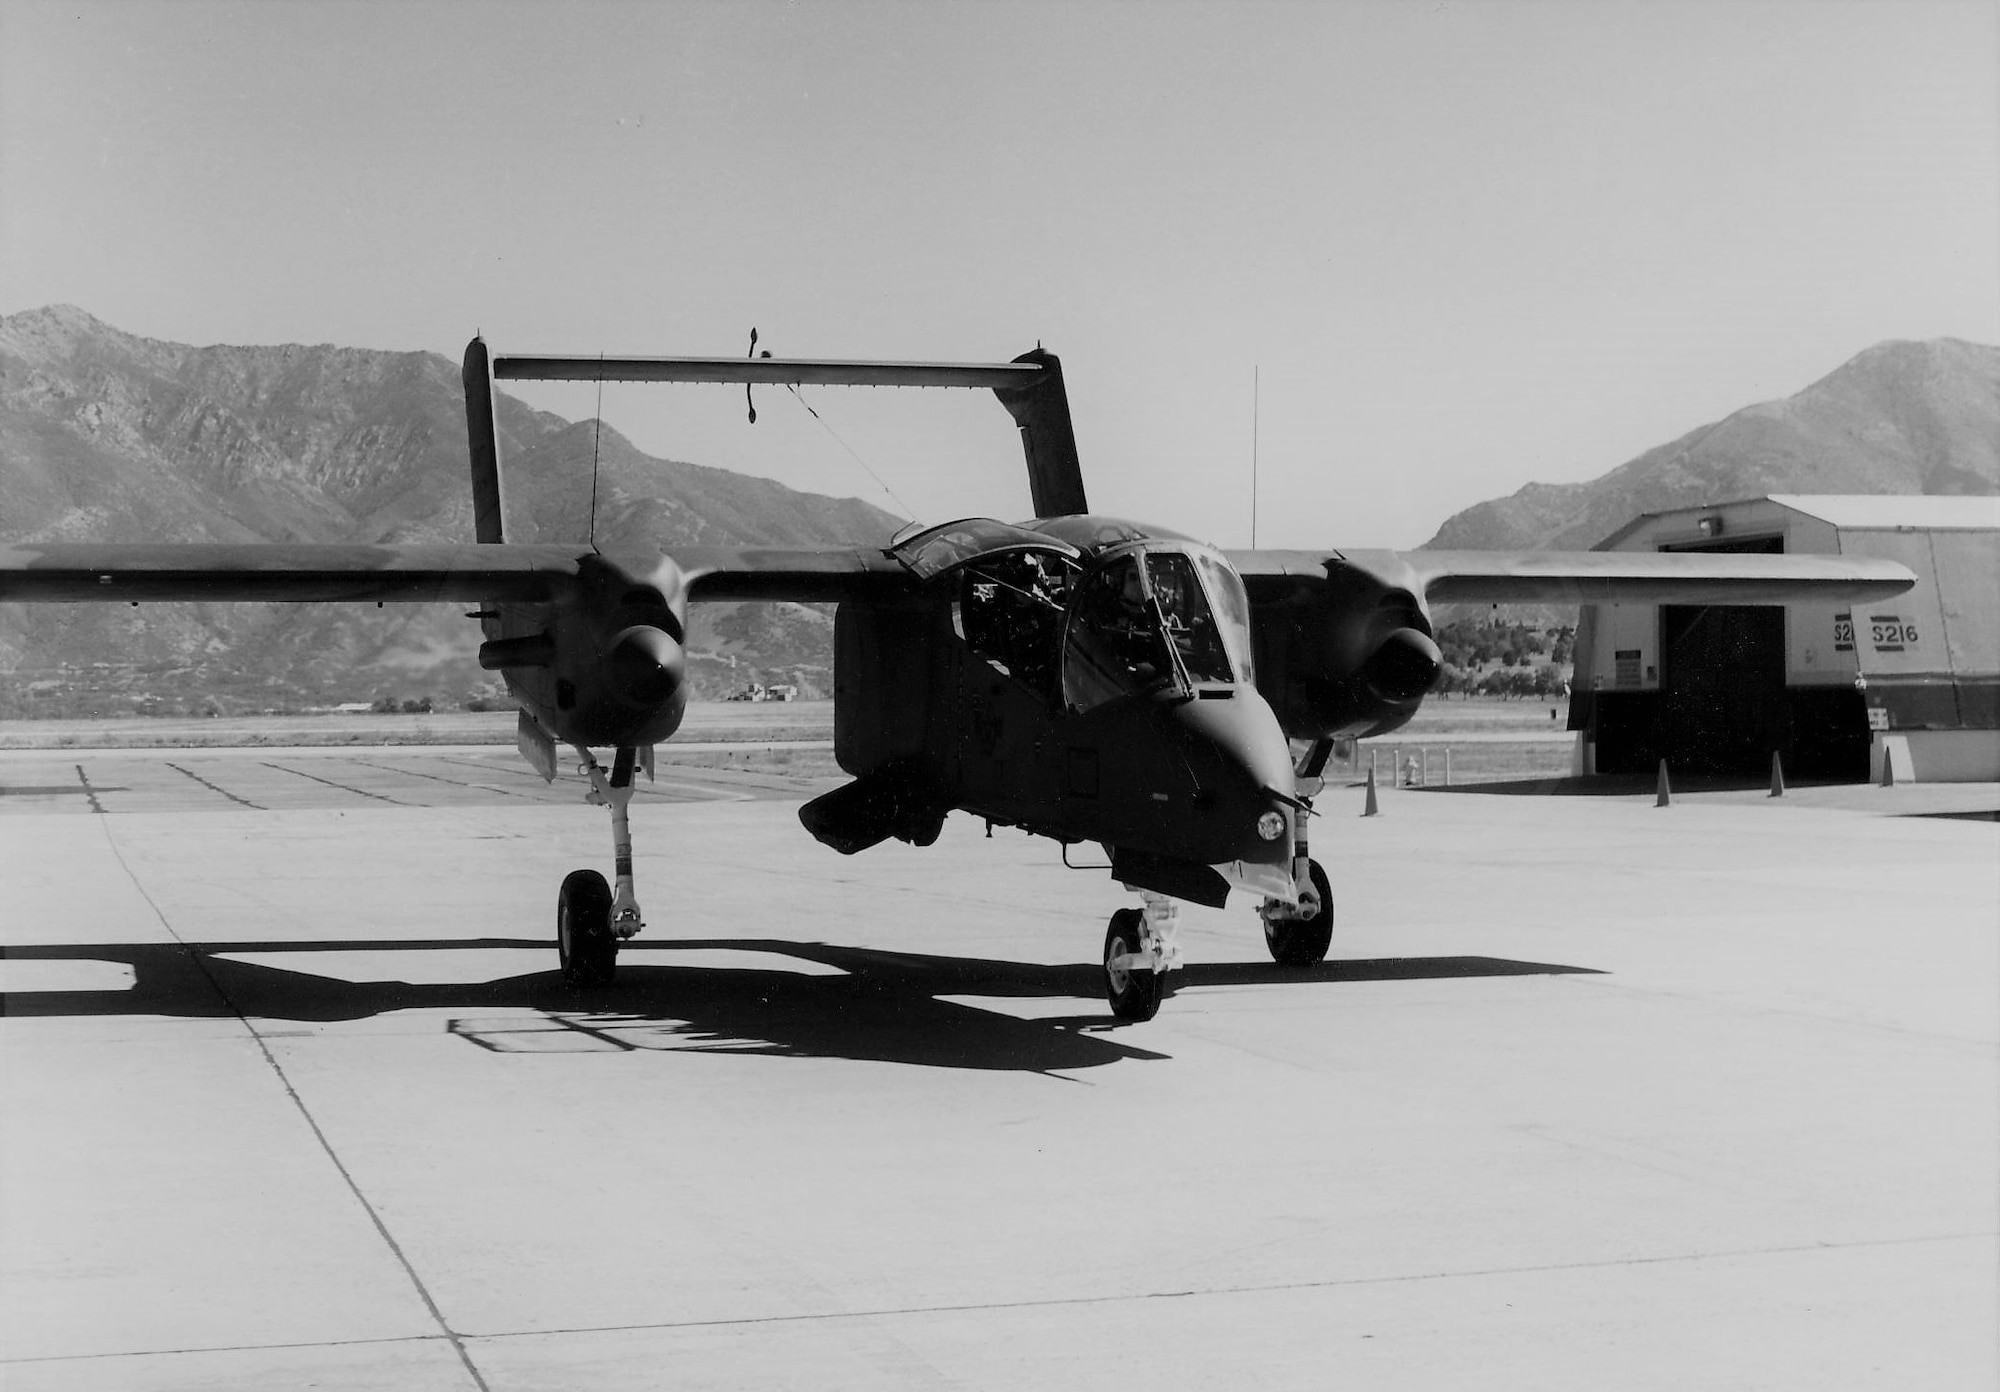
point(603, 664)
point(1344, 657)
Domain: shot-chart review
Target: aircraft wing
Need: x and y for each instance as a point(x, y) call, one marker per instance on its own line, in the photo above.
point(1592, 577)
point(805, 575)
point(530, 573)
point(505, 573)
point(224, 571)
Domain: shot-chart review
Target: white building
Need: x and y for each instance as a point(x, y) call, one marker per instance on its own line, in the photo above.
point(1833, 689)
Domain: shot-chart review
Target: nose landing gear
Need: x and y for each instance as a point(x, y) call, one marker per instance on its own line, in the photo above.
point(1299, 935)
point(1140, 948)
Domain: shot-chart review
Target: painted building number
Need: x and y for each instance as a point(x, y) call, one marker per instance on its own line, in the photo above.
point(1886, 632)
point(1889, 633)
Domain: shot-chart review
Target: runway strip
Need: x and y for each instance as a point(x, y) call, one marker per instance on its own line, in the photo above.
point(274, 779)
point(1590, 1094)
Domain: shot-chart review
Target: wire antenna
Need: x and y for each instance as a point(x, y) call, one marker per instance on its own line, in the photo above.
point(793, 388)
point(908, 511)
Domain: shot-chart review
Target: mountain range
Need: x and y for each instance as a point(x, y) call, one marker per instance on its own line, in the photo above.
point(106, 436)
point(1901, 417)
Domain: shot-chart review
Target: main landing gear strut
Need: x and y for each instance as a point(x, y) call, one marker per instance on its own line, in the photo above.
point(592, 918)
point(1299, 935)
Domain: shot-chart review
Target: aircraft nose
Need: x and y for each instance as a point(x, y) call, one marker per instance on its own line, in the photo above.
point(1241, 765)
point(645, 666)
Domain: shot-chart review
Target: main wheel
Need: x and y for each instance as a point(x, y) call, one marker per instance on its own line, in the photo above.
point(584, 940)
point(1302, 942)
point(1134, 995)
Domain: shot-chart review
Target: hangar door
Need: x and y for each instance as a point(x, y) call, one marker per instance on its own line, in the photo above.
point(1722, 678)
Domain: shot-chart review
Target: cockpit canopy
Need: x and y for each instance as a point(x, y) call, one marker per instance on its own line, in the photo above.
point(1142, 615)
point(935, 550)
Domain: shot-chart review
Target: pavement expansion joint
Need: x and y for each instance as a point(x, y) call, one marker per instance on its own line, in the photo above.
point(216, 789)
point(440, 778)
point(343, 787)
point(1245, 1288)
point(389, 1341)
point(305, 1113)
point(88, 791)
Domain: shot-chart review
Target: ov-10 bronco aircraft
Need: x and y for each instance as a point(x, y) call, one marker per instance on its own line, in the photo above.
point(1083, 677)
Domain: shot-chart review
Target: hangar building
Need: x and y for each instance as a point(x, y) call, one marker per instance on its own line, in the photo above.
point(1834, 689)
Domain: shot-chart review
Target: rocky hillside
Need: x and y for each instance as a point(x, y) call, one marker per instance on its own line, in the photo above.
point(105, 436)
point(1899, 418)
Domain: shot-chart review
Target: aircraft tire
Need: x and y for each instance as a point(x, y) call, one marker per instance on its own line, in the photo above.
point(584, 941)
point(1302, 942)
point(1134, 995)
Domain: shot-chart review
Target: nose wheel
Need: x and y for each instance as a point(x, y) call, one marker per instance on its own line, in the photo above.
point(1134, 990)
point(1139, 950)
point(1299, 937)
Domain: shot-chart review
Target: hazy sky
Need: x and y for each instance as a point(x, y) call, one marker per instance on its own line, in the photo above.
point(1462, 246)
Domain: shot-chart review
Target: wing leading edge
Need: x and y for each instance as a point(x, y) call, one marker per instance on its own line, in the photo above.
point(212, 571)
point(1594, 577)
point(518, 573)
point(531, 573)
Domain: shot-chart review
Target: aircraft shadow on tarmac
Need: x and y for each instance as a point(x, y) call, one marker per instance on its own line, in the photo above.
point(880, 1006)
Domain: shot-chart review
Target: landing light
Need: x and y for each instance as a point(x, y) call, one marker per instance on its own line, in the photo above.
point(1271, 826)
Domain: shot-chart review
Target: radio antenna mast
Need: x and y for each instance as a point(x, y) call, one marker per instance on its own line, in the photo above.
point(1254, 392)
point(596, 436)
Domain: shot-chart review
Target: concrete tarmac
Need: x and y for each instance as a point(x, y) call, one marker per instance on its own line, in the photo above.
point(1591, 1094)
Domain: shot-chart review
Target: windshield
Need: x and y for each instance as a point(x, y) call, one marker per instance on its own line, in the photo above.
point(1135, 626)
point(1232, 610)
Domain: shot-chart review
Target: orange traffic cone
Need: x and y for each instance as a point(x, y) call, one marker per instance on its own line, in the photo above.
point(1777, 775)
point(1666, 794)
point(1373, 809)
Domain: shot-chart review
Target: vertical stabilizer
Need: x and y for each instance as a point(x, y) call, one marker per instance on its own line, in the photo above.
point(1055, 477)
point(489, 508)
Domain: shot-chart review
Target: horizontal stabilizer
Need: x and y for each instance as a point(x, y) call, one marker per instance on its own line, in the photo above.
point(1031, 388)
point(825, 372)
